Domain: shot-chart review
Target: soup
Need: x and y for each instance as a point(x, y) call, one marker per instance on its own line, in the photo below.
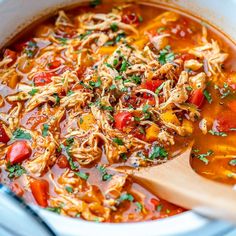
point(103, 86)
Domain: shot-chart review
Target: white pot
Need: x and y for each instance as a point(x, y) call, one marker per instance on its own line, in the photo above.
point(16, 14)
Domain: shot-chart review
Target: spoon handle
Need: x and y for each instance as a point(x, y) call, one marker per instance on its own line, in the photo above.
point(176, 182)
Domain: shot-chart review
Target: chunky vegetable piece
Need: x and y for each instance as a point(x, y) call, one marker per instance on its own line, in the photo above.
point(40, 190)
point(107, 85)
point(18, 152)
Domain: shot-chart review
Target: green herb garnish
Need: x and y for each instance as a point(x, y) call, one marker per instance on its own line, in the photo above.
point(45, 130)
point(15, 170)
point(222, 134)
point(208, 96)
point(82, 175)
point(118, 141)
point(21, 134)
point(69, 189)
point(157, 152)
point(203, 157)
point(33, 92)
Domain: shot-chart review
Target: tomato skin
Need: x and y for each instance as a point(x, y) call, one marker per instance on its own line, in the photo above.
point(187, 56)
point(40, 190)
point(62, 162)
point(155, 202)
point(197, 98)
point(130, 18)
point(43, 78)
point(3, 135)
point(54, 64)
point(232, 105)
point(152, 85)
point(18, 152)
point(122, 120)
point(226, 121)
point(10, 54)
point(17, 189)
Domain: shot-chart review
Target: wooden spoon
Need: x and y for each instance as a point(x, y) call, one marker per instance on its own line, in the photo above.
point(176, 182)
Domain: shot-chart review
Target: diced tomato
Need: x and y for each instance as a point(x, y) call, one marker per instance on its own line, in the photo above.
point(197, 98)
point(155, 202)
point(54, 64)
point(139, 133)
point(81, 71)
point(3, 135)
point(122, 120)
point(62, 162)
point(130, 18)
point(187, 56)
point(43, 78)
point(226, 121)
point(40, 190)
point(18, 152)
point(232, 105)
point(151, 101)
point(152, 85)
point(17, 189)
point(10, 54)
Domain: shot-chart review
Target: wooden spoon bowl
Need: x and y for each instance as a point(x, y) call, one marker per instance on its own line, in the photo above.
point(176, 182)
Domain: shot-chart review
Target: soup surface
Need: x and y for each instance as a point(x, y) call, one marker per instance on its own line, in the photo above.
point(101, 86)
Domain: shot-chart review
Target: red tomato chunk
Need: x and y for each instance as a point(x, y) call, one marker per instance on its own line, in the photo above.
point(18, 152)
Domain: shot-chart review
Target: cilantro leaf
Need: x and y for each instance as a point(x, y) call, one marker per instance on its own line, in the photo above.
point(21, 134)
point(15, 170)
point(157, 152)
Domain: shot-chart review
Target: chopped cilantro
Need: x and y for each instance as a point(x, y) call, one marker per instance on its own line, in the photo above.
point(114, 27)
point(145, 108)
point(159, 208)
point(222, 134)
point(136, 79)
point(157, 152)
point(95, 3)
point(115, 62)
point(69, 189)
point(139, 206)
point(119, 77)
point(126, 197)
point(203, 157)
point(159, 30)
point(124, 65)
point(140, 19)
point(21, 134)
point(62, 41)
point(45, 130)
point(57, 98)
point(109, 65)
point(54, 209)
point(207, 96)
point(81, 120)
point(124, 156)
point(119, 37)
point(103, 171)
point(82, 36)
point(70, 92)
point(232, 162)
point(118, 141)
point(33, 91)
point(82, 175)
point(96, 84)
point(158, 90)
point(112, 87)
point(166, 55)
point(15, 170)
